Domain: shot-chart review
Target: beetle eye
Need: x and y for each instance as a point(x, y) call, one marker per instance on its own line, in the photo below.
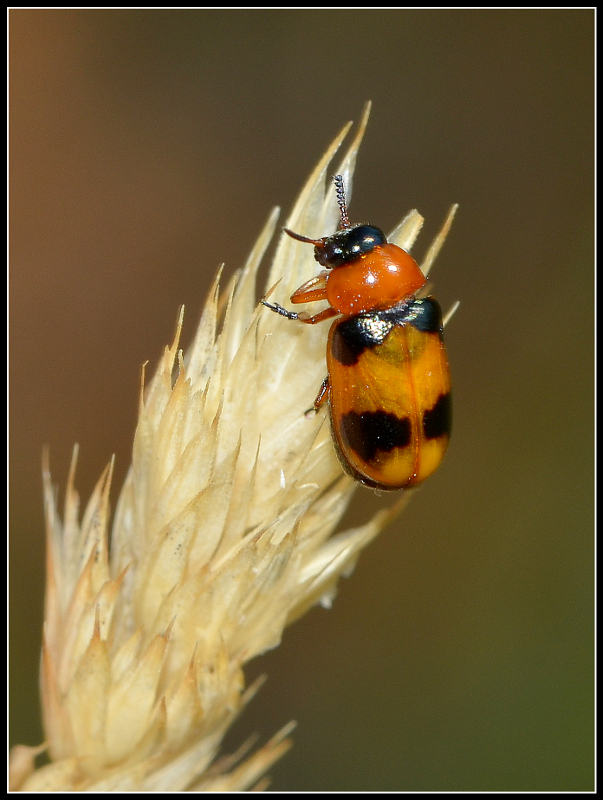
point(348, 244)
point(331, 254)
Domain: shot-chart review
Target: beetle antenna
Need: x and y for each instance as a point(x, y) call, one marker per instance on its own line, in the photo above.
point(343, 208)
point(300, 238)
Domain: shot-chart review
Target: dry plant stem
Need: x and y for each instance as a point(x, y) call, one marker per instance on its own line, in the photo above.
point(223, 535)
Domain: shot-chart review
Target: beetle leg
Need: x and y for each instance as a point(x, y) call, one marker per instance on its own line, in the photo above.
point(326, 313)
point(323, 393)
point(302, 316)
point(280, 310)
point(314, 289)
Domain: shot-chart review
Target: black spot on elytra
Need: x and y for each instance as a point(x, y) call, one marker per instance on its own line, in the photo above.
point(437, 421)
point(374, 432)
point(425, 315)
point(354, 335)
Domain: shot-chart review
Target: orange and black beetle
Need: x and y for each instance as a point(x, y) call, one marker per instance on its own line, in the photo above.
point(388, 382)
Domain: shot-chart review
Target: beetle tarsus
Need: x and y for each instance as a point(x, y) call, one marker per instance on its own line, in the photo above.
point(280, 310)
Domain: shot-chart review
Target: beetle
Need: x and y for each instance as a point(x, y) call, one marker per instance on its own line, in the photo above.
point(388, 381)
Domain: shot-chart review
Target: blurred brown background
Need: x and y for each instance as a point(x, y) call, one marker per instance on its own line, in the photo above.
point(147, 147)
